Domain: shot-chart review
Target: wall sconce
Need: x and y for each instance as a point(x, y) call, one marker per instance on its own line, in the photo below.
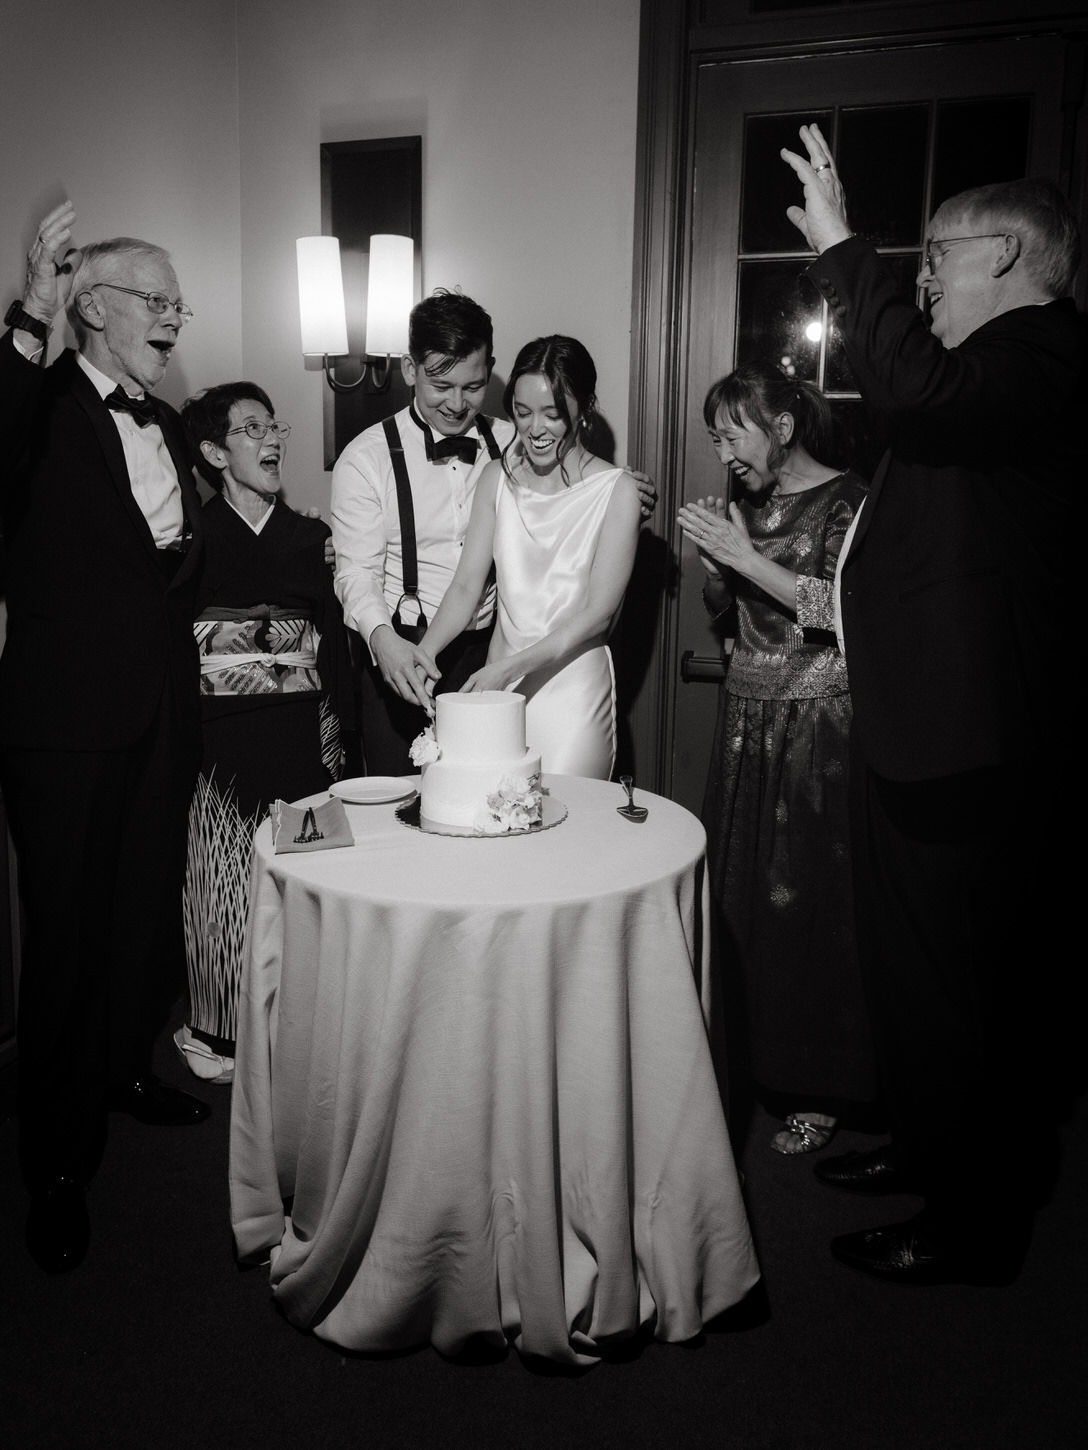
point(389, 296)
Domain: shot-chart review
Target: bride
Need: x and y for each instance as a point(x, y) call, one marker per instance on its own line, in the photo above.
point(561, 527)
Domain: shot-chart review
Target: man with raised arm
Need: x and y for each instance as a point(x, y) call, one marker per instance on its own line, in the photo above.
point(99, 705)
point(956, 594)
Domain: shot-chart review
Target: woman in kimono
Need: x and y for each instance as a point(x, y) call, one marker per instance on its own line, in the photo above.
point(275, 684)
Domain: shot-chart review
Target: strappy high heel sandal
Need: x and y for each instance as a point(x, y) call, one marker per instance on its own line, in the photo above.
point(804, 1133)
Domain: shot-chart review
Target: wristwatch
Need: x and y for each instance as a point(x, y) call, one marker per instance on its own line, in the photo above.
point(16, 316)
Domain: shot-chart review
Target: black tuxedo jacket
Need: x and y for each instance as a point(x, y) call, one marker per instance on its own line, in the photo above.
point(957, 589)
point(95, 626)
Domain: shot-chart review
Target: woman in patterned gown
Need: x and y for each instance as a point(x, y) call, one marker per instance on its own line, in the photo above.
point(561, 526)
point(275, 683)
point(776, 801)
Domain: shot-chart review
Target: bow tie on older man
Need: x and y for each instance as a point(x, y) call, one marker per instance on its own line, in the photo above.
point(142, 409)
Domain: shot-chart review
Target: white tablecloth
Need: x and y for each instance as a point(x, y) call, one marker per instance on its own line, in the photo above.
point(473, 1091)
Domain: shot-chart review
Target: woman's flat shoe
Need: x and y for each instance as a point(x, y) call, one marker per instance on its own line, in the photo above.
point(806, 1133)
point(199, 1058)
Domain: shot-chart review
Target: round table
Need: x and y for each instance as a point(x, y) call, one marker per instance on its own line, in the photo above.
point(473, 1089)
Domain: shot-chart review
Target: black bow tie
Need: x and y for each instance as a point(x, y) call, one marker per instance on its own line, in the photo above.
point(446, 448)
point(463, 448)
point(142, 409)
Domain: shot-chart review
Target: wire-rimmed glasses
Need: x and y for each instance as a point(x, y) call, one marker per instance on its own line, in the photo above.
point(257, 430)
point(931, 262)
point(158, 302)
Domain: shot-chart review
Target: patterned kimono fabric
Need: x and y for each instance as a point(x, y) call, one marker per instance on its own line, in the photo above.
point(271, 728)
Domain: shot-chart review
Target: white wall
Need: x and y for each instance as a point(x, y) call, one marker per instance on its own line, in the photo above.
point(528, 118)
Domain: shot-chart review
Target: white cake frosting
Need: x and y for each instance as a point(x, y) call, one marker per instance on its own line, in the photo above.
point(484, 777)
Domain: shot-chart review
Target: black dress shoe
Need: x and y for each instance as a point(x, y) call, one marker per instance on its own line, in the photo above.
point(57, 1227)
point(156, 1103)
point(873, 1172)
point(908, 1253)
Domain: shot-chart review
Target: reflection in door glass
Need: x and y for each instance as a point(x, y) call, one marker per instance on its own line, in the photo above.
point(779, 317)
point(768, 187)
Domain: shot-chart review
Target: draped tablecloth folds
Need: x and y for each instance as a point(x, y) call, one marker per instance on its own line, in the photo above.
point(473, 1092)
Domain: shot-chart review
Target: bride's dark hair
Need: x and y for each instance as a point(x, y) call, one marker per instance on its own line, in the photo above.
point(569, 371)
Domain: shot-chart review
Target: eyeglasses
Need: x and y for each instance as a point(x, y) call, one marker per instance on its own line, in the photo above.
point(951, 242)
point(258, 430)
point(157, 301)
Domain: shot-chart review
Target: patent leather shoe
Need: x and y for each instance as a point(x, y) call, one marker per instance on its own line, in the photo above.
point(58, 1230)
point(156, 1103)
point(909, 1253)
point(873, 1172)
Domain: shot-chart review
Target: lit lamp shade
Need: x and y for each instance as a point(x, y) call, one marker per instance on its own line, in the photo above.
point(389, 294)
point(321, 296)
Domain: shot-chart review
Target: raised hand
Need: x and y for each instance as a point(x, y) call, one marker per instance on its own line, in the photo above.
point(48, 281)
point(822, 220)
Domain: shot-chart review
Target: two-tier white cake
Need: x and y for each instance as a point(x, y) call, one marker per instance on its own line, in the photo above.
point(477, 772)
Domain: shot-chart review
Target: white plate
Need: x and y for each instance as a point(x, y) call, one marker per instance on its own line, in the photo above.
point(374, 790)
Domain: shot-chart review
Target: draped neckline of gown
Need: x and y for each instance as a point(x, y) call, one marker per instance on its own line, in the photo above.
point(528, 490)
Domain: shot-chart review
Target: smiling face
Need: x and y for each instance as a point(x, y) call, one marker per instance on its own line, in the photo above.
point(125, 339)
point(248, 464)
point(746, 449)
point(449, 400)
point(960, 288)
point(540, 424)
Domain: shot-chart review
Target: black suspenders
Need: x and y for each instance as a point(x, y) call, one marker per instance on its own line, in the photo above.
point(410, 572)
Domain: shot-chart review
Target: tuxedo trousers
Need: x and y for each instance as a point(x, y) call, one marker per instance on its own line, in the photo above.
point(957, 920)
point(100, 838)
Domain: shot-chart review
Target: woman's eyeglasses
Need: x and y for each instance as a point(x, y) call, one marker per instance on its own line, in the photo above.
point(258, 430)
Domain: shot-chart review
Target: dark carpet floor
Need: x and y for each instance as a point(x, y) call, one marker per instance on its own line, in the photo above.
point(160, 1341)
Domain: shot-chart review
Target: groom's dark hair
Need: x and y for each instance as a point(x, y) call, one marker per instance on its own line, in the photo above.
point(450, 325)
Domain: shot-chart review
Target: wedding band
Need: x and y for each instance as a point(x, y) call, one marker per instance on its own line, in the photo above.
point(825, 167)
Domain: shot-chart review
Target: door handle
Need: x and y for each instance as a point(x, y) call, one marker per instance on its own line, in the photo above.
point(701, 668)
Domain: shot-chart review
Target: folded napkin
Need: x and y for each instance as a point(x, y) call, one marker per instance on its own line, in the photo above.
point(310, 828)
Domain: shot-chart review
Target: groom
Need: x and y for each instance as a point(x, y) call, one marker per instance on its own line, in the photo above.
point(440, 443)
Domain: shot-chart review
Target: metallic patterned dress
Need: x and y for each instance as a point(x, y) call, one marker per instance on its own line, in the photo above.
point(776, 816)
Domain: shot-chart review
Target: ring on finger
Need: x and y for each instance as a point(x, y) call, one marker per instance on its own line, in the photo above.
point(825, 167)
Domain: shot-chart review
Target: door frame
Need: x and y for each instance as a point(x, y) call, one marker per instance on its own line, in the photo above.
point(673, 43)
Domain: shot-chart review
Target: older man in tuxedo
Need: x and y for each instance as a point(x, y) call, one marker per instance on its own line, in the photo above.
point(99, 710)
point(956, 594)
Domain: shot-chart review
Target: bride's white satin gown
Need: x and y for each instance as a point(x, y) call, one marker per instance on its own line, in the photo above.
point(544, 550)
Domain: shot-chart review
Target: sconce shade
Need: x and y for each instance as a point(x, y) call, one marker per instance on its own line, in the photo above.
point(389, 294)
point(321, 296)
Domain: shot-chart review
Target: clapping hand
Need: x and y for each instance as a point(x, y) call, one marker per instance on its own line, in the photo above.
point(721, 539)
point(48, 281)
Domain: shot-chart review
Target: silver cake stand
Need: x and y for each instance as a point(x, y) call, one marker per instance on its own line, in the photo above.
point(552, 813)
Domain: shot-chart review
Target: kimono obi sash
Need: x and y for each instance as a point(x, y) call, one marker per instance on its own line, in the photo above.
point(257, 650)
